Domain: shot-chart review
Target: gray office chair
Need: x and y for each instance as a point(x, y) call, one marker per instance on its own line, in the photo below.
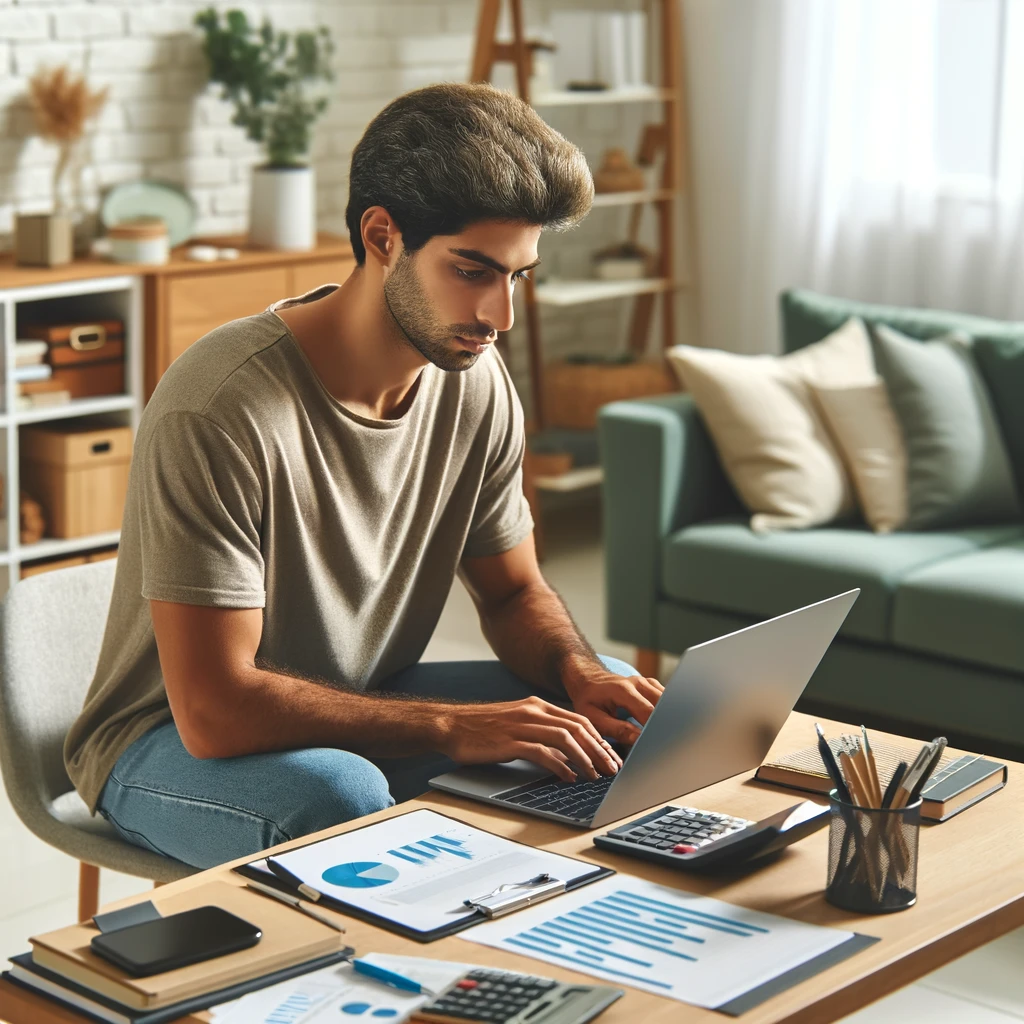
point(50, 635)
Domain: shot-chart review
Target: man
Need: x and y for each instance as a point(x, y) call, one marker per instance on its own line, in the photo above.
point(305, 486)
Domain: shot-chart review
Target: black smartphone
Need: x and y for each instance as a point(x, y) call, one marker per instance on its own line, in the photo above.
point(176, 940)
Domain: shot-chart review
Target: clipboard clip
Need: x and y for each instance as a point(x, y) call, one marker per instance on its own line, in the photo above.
point(516, 895)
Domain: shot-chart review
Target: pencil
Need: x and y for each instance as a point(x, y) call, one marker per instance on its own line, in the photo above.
point(873, 768)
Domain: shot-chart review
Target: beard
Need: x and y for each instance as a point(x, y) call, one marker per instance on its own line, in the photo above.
point(413, 316)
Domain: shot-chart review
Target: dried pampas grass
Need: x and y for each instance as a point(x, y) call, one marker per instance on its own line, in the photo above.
point(62, 103)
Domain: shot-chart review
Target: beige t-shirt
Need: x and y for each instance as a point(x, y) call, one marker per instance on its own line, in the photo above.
point(252, 487)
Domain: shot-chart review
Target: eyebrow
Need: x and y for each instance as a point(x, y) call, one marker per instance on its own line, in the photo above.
point(481, 257)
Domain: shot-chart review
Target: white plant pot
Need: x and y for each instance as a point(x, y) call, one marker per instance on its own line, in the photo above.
point(282, 209)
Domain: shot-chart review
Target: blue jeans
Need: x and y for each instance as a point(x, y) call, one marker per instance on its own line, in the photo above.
point(206, 812)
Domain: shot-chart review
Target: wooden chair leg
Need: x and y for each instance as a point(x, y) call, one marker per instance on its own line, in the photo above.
point(647, 663)
point(88, 890)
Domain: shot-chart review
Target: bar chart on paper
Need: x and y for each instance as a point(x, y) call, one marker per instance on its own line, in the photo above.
point(663, 940)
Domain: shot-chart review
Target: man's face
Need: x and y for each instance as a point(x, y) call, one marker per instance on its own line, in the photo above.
point(450, 298)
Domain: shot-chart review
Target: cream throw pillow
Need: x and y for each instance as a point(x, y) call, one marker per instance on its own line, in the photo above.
point(870, 439)
point(767, 428)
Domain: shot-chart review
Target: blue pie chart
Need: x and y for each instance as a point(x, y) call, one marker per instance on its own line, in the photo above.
point(360, 874)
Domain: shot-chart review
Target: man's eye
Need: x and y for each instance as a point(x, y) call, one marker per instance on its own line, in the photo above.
point(469, 275)
point(516, 278)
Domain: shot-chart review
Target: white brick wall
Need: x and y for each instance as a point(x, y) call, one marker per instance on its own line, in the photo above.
point(162, 121)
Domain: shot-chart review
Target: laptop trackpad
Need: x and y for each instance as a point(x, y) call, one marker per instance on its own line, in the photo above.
point(489, 779)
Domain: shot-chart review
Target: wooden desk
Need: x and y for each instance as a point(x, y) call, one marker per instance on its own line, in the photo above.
point(970, 889)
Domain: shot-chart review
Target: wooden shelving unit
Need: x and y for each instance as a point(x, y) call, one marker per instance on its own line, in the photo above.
point(114, 296)
point(668, 135)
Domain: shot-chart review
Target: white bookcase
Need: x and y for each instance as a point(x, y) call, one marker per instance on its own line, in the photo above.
point(108, 298)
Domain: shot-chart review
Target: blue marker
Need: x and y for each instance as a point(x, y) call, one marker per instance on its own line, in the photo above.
point(391, 978)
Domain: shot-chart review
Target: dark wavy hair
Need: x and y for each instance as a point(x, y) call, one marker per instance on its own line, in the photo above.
point(442, 158)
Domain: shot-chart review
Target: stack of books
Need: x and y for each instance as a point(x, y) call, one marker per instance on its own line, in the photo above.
point(33, 374)
point(958, 782)
point(62, 966)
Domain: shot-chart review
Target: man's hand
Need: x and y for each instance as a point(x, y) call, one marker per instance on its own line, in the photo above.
point(597, 694)
point(533, 729)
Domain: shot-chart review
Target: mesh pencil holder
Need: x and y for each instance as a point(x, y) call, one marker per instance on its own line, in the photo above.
point(872, 857)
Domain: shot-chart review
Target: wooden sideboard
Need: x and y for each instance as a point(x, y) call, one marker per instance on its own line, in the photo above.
point(184, 299)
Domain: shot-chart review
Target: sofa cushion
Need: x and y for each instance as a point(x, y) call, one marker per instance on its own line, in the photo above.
point(767, 430)
point(969, 607)
point(725, 565)
point(809, 316)
point(1002, 365)
point(958, 471)
point(869, 437)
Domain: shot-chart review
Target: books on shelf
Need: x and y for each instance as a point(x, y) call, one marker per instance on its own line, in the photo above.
point(32, 372)
point(29, 352)
point(289, 940)
point(958, 782)
point(33, 394)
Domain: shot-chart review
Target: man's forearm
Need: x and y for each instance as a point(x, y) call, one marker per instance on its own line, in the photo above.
point(265, 710)
point(534, 635)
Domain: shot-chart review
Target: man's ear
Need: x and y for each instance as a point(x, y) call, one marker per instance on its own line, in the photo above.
point(381, 237)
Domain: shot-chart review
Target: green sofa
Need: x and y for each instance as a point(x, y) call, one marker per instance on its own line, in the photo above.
point(935, 643)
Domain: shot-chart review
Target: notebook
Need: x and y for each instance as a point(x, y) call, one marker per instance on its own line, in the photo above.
point(289, 938)
point(26, 973)
point(959, 781)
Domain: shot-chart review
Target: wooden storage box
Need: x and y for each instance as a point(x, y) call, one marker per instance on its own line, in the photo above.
point(575, 391)
point(87, 358)
point(79, 474)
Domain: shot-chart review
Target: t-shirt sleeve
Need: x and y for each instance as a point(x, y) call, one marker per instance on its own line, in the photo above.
point(200, 508)
point(502, 517)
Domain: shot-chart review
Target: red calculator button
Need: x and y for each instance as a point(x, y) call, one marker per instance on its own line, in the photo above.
point(467, 983)
point(683, 848)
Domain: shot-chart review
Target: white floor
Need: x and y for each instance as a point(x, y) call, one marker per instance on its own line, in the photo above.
point(39, 884)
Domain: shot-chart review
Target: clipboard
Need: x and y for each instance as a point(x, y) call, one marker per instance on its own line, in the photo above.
point(279, 877)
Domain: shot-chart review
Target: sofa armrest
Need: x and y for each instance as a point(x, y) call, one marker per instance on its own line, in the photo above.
point(661, 473)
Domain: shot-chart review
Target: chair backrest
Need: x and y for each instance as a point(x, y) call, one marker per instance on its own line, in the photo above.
point(50, 635)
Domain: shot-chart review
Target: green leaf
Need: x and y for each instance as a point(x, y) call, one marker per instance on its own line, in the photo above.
point(268, 76)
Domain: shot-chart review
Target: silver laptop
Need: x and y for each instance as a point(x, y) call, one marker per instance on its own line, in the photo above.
point(719, 714)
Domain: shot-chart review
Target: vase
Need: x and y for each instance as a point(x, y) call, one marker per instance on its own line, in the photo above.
point(282, 208)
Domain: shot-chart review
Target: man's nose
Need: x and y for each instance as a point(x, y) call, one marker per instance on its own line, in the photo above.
point(498, 313)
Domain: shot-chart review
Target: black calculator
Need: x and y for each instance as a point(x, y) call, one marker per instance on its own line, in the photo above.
point(500, 997)
point(692, 839)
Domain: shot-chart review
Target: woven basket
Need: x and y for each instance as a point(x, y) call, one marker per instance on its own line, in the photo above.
point(574, 392)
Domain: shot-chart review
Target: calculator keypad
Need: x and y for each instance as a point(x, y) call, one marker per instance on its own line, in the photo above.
point(683, 829)
point(494, 997)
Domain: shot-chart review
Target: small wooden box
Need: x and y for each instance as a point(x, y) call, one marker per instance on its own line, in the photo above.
point(79, 474)
point(43, 239)
point(87, 358)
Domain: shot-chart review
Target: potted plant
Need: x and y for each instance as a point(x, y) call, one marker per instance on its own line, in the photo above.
point(272, 78)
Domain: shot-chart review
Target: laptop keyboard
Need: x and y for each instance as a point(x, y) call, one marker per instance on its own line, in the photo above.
point(578, 800)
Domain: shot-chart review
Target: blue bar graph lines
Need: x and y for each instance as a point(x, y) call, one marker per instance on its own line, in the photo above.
point(291, 1010)
point(427, 850)
point(552, 931)
point(678, 915)
point(605, 969)
point(635, 937)
point(644, 930)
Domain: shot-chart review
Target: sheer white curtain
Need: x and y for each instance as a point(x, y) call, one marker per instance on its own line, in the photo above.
point(867, 148)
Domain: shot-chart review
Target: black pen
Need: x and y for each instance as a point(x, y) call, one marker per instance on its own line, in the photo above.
point(315, 895)
point(933, 763)
point(894, 783)
point(829, 760)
